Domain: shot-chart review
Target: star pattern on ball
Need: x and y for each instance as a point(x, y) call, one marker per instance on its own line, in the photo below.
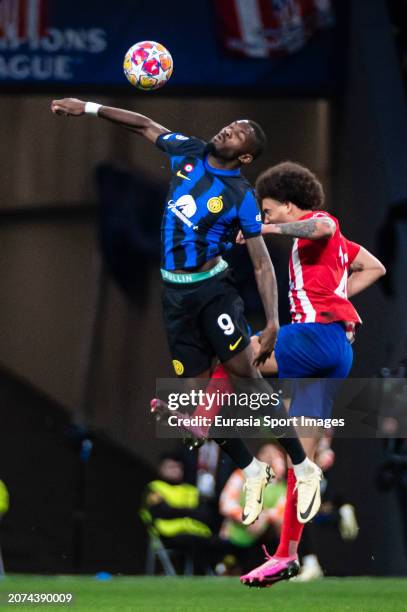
point(148, 65)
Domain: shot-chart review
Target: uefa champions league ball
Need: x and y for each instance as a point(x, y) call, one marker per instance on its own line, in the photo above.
point(148, 65)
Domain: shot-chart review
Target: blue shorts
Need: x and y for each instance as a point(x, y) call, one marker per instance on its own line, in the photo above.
point(313, 350)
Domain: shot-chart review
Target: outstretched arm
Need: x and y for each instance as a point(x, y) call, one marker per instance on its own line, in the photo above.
point(267, 286)
point(366, 270)
point(312, 229)
point(140, 124)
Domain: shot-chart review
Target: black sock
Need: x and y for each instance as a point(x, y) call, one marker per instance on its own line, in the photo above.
point(237, 451)
point(293, 448)
point(287, 435)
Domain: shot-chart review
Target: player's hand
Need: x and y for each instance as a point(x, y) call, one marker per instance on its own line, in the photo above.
point(267, 341)
point(348, 525)
point(325, 459)
point(68, 107)
point(240, 238)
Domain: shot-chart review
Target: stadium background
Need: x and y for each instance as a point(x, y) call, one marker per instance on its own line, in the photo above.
point(78, 358)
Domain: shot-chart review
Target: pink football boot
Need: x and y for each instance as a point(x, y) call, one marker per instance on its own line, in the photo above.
point(272, 571)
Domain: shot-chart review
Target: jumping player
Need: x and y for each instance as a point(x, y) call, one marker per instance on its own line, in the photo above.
point(208, 201)
point(318, 342)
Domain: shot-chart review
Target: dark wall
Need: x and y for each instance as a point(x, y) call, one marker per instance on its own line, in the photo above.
point(378, 549)
point(367, 178)
point(368, 173)
point(66, 515)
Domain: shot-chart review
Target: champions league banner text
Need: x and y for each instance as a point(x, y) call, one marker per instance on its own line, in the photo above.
point(351, 408)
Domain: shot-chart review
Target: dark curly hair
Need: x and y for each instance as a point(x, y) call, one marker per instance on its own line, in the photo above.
point(259, 139)
point(291, 182)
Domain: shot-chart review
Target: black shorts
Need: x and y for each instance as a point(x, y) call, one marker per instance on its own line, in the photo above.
point(204, 320)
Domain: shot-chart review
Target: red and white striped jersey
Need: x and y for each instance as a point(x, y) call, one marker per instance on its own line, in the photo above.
point(318, 277)
point(22, 20)
point(270, 28)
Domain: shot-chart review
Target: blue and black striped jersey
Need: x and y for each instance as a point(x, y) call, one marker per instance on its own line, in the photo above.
point(205, 205)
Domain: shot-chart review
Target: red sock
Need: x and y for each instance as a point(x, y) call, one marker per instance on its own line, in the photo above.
point(219, 383)
point(291, 529)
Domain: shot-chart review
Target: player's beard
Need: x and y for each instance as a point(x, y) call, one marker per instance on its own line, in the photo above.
point(223, 155)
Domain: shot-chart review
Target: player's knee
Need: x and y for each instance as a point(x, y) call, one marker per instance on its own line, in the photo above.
point(241, 365)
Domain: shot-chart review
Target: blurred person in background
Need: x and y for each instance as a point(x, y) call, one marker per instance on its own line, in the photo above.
point(268, 525)
point(392, 472)
point(208, 469)
point(176, 513)
point(4, 506)
point(334, 513)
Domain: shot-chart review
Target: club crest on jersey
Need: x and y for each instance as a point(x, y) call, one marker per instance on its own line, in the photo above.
point(178, 367)
point(188, 167)
point(215, 204)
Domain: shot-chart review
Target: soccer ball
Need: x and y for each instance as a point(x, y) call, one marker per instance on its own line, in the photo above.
point(148, 65)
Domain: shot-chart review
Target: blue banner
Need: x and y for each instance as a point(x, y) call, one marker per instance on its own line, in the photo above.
point(83, 44)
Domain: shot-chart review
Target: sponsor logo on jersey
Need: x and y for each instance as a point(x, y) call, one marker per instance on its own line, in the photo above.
point(184, 208)
point(179, 173)
point(175, 136)
point(215, 204)
point(178, 367)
